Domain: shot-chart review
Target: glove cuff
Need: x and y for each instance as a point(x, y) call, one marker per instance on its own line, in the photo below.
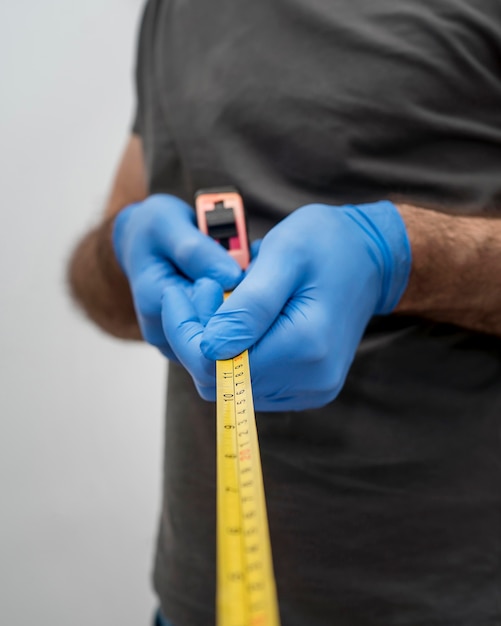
point(385, 227)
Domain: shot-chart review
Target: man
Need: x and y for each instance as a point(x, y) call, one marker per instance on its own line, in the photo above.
point(373, 311)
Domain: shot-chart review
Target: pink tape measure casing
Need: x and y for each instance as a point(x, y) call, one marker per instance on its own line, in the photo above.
point(220, 214)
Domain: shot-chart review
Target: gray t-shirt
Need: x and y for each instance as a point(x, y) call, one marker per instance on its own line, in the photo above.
point(384, 506)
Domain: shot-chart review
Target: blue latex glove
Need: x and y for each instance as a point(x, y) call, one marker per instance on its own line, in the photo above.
point(319, 277)
point(157, 244)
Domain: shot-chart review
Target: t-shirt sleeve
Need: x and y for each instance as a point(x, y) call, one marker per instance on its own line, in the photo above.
point(144, 40)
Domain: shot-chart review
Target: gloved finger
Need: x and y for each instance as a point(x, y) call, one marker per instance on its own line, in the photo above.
point(254, 305)
point(207, 297)
point(193, 252)
point(168, 353)
point(147, 288)
point(183, 330)
point(206, 392)
point(147, 292)
point(153, 333)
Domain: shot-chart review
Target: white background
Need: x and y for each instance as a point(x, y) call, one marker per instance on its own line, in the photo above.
point(80, 413)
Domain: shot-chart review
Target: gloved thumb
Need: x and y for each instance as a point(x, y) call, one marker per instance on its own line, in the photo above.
point(250, 311)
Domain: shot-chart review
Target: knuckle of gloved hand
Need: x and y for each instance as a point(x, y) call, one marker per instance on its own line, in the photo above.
point(261, 309)
point(316, 401)
point(203, 372)
point(186, 250)
point(167, 351)
point(152, 333)
point(319, 221)
point(204, 376)
point(144, 214)
point(283, 242)
point(328, 383)
point(159, 214)
point(166, 203)
point(147, 300)
point(186, 332)
point(309, 212)
point(313, 347)
point(207, 393)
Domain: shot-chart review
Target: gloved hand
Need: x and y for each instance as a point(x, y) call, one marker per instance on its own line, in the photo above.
point(319, 276)
point(157, 243)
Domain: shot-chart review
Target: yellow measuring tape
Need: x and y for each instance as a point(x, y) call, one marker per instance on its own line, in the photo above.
point(246, 592)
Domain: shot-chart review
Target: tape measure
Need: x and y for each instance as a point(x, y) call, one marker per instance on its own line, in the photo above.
point(246, 591)
point(246, 594)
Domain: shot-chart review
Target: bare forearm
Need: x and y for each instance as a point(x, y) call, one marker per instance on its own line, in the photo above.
point(456, 272)
point(95, 279)
point(99, 286)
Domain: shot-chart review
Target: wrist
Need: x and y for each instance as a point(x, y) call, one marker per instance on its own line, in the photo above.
point(99, 286)
point(447, 251)
point(387, 234)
